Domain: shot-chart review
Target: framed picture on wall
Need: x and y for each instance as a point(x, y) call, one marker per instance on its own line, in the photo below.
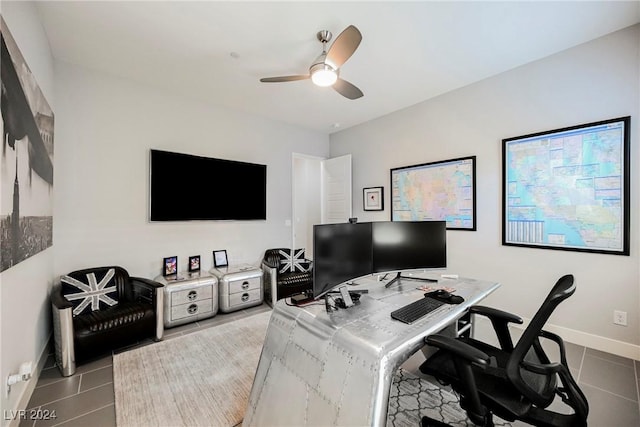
point(568, 188)
point(170, 266)
point(373, 198)
point(220, 258)
point(437, 191)
point(194, 263)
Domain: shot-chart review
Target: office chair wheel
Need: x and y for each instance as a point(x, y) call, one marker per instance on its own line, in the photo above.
point(430, 422)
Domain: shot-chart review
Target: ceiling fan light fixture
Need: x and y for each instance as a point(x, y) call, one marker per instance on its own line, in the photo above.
point(323, 75)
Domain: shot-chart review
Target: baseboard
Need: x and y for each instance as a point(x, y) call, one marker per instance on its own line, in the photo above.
point(596, 342)
point(31, 385)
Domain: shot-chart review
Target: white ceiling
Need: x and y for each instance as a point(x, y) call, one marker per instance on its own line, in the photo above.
point(411, 51)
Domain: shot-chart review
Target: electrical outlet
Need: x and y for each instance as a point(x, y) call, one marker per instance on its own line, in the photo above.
point(620, 317)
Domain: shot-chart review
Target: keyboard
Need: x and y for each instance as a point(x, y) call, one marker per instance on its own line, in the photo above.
point(417, 309)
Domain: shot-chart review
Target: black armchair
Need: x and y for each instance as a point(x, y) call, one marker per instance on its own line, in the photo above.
point(286, 273)
point(101, 309)
point(514, 383)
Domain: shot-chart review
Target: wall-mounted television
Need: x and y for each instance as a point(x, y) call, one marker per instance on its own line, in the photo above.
point(185, 187)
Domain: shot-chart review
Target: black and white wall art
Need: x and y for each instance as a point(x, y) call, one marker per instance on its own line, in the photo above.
point(26, 161)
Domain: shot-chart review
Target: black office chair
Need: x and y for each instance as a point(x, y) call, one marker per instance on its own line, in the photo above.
point(514, 383)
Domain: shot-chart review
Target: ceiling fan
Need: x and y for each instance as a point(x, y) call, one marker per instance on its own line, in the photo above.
point(325, 69)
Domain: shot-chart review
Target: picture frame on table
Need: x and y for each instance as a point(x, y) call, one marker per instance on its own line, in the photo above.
point(220, 258)
point(170, 266)
point(194, 264)
point(373, 198)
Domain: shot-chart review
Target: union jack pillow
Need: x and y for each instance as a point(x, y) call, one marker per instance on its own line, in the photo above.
point(293, 263)
point(91, 295)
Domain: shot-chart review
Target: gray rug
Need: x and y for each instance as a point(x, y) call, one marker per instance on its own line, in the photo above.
point(413, 397)
point(200, 379)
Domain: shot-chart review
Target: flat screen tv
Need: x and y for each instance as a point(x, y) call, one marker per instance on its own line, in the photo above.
point(186, 187)
point(340, 252)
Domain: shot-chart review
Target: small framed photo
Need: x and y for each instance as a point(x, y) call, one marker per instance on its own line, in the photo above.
point(194, 263)
point(373, 198)
point(220, 258)
point(170, 266)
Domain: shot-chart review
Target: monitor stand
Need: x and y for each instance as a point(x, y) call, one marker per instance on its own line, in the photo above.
point(399, 276)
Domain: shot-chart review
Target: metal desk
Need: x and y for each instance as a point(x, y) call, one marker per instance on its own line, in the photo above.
point(319, 368)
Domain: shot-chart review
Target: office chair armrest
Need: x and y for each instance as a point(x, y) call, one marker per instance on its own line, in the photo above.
point(542, 369)
point(500, 321)
point(459, 349)
point(556, 338)
point(494, 313)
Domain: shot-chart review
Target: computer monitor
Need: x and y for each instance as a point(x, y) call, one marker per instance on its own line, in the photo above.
point(407, 245)
point(340, 252)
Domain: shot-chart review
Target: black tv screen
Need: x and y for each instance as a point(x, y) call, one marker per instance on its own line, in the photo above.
point(340, 252)
point(401, 245)
point(187, 187)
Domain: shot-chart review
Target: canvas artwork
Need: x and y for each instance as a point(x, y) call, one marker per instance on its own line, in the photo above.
point(26, 162)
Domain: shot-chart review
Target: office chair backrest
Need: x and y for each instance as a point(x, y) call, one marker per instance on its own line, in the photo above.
point(538, 388)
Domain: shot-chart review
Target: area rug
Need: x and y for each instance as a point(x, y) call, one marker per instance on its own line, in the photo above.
point(200, 379)
point(412, 397)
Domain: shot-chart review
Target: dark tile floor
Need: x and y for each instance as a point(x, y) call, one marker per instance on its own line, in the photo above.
point(611, 384)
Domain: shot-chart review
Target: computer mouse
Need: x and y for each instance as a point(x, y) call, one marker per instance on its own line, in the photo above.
point(441, 293)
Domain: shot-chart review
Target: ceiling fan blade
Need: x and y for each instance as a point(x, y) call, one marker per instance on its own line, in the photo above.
point(347, 89)
point(344, 46)
point(284, 79)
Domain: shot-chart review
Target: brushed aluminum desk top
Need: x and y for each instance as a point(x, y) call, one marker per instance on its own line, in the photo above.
point(319, 368)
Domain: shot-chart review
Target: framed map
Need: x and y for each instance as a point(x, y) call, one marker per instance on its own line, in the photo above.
point(568, 188)
point(437, 191)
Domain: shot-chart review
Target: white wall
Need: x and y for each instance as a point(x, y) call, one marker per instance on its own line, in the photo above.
point(105, 128)
point(24, 288)
point(595, 81)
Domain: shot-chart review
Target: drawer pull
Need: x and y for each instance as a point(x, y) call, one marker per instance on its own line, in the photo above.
point(192, 309)
point(192, 295)
point(245, 297)
point(245, 285)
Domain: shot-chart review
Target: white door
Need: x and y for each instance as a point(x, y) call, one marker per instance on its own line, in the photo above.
point(321, 194)
point(336, 190)
point(306, 200)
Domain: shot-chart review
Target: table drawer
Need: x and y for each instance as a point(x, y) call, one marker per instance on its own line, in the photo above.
point(247, 297)
point(244, 285)
point(191, 295)
point(195, 309)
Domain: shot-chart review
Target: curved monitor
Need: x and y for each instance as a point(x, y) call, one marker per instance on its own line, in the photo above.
point(409, 245)
point(340, 252)
point(347, 251)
